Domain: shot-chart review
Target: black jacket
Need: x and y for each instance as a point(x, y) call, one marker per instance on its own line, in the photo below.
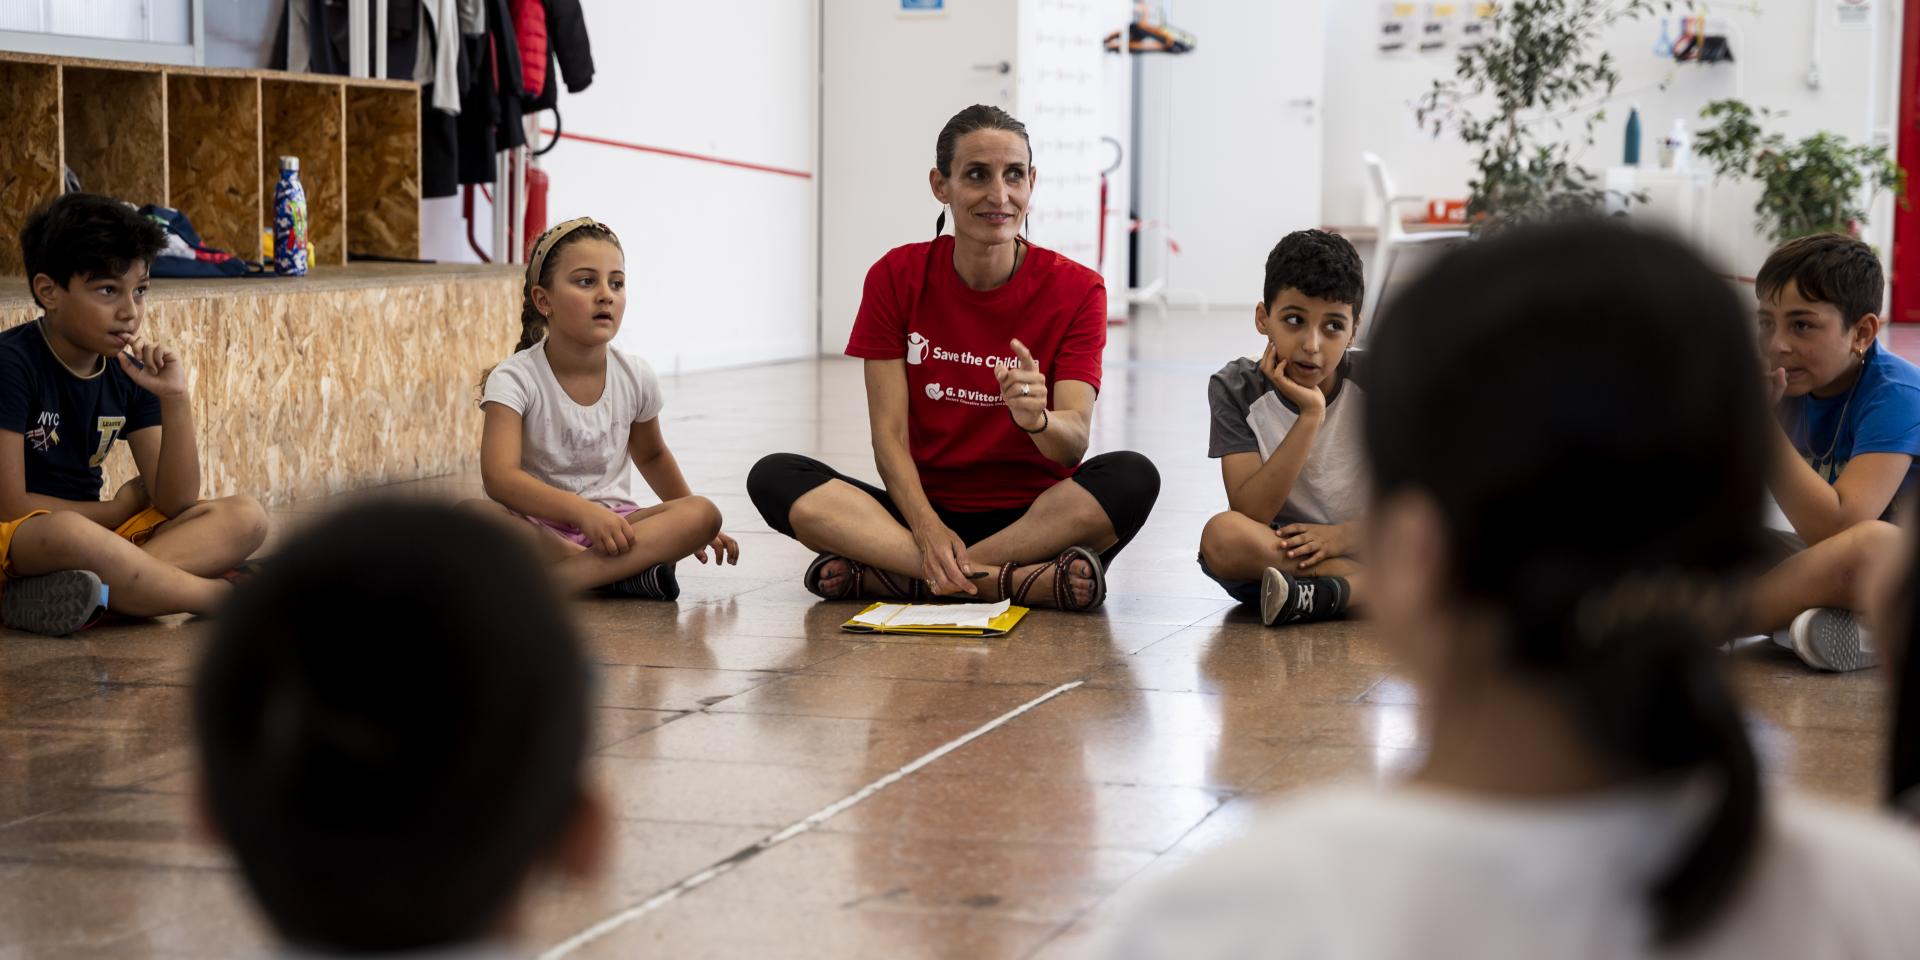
point(567, 46)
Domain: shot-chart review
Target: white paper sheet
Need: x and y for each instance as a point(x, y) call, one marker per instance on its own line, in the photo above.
point(973, 615)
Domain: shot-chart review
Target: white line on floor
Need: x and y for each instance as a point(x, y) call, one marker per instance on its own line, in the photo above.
point(795, 829)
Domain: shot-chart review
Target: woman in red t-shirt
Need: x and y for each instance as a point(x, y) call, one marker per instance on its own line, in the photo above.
point(982, 363)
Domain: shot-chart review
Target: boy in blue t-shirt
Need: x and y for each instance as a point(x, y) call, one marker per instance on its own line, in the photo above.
point(1849, 414)
point(73, 382)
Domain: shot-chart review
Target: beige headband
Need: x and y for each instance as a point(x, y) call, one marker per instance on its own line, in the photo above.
point(552, 237)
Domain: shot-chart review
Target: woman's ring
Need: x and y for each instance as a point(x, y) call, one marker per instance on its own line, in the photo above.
point(1025, 389)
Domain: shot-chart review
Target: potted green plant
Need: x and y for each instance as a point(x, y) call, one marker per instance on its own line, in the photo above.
point(1815, 184)
point(1539, 70)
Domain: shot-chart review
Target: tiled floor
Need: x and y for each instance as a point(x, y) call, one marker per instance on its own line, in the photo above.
point(744, 709)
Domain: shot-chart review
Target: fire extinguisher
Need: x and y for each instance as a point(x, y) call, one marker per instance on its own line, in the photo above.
point(537, 183)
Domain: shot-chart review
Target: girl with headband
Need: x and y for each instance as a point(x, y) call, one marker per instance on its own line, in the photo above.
point(566, 414)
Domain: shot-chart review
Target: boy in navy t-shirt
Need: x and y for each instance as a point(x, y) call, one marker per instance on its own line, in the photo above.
point(1849, 414)
point(71, 384)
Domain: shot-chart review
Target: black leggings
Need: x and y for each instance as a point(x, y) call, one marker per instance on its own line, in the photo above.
point(1124, 483)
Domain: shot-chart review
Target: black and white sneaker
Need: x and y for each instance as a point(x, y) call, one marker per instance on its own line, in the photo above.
point(1831, 639)
point(55, 604)
point(658, 582)
point(1285, 599)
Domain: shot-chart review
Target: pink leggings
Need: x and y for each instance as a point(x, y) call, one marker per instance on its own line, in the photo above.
point(571, 533)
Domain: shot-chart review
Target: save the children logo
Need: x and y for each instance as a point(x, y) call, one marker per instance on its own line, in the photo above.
point(920, 350)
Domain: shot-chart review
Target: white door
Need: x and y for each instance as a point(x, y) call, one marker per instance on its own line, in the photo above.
point(890, 78)
point(1238, 130)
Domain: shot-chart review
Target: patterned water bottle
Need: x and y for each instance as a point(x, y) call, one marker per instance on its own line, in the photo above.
point(290, 221)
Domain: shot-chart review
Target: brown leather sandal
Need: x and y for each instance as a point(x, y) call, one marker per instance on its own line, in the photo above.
point(855, 589)
point(1062, 593)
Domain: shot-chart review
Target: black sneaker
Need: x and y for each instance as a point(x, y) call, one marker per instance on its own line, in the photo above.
point(658, 582)
point(1831, 639)
point(1285, 599)
point(55, 604)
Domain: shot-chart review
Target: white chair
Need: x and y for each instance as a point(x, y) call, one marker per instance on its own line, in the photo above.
point(1390, 237)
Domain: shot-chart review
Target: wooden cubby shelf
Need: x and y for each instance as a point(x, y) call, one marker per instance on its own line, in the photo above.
point(208, 142)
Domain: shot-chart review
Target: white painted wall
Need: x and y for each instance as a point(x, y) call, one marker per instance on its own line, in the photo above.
point(889, 81)
point(916, 70)
point(1061, 99)
point(152, 21)
point(1369, 98)
point(721, 262)
point(1238, 121)
point(1116, 122)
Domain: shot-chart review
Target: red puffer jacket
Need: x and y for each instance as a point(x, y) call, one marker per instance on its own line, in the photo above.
point(530, 26)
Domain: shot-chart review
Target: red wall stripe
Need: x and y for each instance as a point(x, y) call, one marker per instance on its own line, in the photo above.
point(665, 152)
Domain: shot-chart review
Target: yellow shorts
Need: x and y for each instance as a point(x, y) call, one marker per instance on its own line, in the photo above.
point(136, 531)
point(7, 530)
point(139, 530)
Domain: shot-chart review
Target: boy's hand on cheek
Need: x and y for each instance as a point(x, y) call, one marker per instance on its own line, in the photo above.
point(155, 369)
point(1309, 399)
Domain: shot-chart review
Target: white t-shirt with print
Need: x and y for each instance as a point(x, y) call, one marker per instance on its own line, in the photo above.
point(1362, 872)
point(579, 449)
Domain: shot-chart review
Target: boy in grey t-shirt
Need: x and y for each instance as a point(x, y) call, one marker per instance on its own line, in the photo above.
point(1286, 430)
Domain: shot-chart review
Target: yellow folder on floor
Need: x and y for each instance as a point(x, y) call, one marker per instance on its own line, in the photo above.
point(937, 619)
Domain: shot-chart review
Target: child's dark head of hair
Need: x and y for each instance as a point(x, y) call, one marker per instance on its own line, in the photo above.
point(86, 236)
point(1826, 268)
point(392, 724)
point(1818, 307)
point(1319, 264)
point(1310, 308)
point(1567, 503)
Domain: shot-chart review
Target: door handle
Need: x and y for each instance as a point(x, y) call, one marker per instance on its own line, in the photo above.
point(1002, 67)
point(1303, 102)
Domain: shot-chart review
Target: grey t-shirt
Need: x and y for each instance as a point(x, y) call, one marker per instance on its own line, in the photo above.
point(1250, 416)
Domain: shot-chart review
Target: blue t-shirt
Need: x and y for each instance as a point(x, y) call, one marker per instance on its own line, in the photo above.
point(1882, 416)
point(69, 422)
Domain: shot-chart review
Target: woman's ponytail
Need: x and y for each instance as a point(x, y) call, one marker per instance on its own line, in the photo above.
point(1648, 688)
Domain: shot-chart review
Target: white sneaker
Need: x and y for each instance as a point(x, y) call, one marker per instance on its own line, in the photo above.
point(1827, 638)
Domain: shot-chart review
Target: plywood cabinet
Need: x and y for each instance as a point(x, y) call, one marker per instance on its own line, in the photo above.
point(207, 142)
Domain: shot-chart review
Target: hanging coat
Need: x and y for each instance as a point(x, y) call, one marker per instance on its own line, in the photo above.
point(569, 49)
point(457, 150)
